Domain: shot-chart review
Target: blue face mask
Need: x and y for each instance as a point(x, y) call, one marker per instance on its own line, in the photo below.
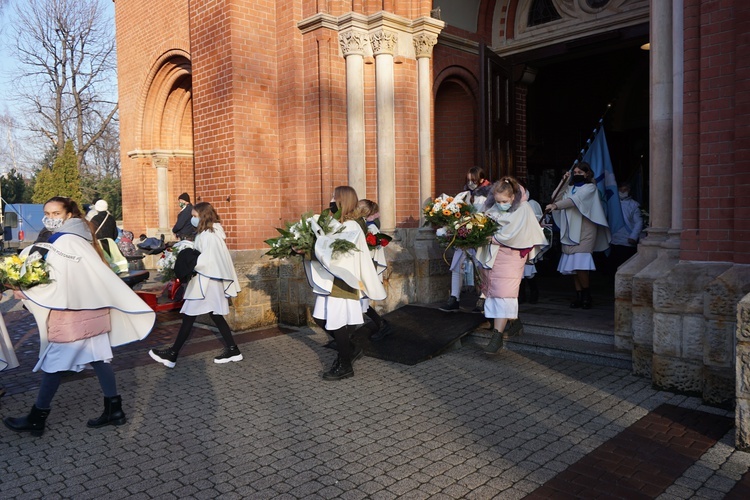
point(504, 206)
point(194, 221)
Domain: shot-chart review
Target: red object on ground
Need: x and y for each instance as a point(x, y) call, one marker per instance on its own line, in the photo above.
point(167, 295)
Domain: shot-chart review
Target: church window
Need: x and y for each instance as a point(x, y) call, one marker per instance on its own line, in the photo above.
point(542, 11)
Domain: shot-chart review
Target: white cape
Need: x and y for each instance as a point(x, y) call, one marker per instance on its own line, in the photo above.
point(355, 268)
point(519, 229)
point(81, 280)
point(589, 205)
point(214, 262)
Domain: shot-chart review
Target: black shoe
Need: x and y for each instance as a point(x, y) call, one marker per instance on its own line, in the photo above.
point(577, 301)
point(228, 355)
point(585, 298)
point(167, 357)
point(33, 422)
point(113, 414)
point(384, 330)
point(451, 306)
point(339, 371)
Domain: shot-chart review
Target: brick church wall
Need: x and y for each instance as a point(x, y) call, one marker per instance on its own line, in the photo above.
point(146, 30)
point(716, 213)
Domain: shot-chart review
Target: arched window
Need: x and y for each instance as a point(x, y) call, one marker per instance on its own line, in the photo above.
point(542, 11)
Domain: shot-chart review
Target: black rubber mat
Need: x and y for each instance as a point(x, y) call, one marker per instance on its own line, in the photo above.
point(419, 334)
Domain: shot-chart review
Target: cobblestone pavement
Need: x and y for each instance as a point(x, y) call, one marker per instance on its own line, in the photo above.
point(463, 425)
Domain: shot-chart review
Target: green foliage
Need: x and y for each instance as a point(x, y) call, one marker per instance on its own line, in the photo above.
point(62, 180)
point(109, 188)
point(14, 188)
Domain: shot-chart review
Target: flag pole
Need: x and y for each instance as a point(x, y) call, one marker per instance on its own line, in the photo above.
point(582, 153)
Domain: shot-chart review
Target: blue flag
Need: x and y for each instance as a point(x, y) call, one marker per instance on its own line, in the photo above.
point(598, 157)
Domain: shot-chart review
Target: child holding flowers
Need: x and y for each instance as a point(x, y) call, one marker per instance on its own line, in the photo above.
point(77, 328)
point(369, 212)
point(340, 280)
point(474, 193)
point(518, 238)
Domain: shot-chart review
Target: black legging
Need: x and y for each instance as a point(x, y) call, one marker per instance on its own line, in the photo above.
point(187, 327)
point(51, 382)
point(342, 338)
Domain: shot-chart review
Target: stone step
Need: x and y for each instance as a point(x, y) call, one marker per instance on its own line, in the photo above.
point(569, 332)
point(574, 344)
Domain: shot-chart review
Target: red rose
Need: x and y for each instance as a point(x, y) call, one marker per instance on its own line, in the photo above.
point(371, 240)
point(384, 242)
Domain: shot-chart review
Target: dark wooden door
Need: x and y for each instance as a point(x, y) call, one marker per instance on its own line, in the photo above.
point(497, 115)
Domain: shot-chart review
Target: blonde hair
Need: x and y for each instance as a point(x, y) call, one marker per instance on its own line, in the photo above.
point(509, 186)
point(366, 208)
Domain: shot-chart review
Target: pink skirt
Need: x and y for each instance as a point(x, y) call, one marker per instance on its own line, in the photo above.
point(504, 279)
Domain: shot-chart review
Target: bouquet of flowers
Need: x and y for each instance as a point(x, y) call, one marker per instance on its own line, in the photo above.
point(23, 272)
point(165, 264)
point(376, 240)
point(445, 209)
point(467, 231)
point(298, 238)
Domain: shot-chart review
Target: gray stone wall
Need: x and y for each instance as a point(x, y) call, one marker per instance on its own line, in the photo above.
point(742, 410)
point(276, 291)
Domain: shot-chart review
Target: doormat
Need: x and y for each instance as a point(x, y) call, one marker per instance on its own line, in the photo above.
point(419, 334)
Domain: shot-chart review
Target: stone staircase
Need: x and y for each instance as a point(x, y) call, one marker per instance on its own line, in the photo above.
point(552, 328)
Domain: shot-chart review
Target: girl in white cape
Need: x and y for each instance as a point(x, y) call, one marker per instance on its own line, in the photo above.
point(81, 314)
point(207, 292)
point(340, 281)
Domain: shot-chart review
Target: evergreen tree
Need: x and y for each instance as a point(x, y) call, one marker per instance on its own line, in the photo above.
point(62, 180)
point(14, 188)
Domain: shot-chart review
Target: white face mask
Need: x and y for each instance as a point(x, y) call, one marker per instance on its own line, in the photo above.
point(472, 185)
point(194, 221)
point(52, 224)
point(623, 195)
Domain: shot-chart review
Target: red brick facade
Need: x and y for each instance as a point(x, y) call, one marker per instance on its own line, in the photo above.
point(716, 213)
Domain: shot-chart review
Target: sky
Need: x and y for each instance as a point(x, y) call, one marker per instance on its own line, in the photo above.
point(9, 105)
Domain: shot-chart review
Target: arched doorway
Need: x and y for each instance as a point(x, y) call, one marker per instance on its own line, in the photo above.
point(456, 145)
point(165, 139)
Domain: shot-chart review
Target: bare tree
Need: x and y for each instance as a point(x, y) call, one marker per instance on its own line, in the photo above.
point(66, 54)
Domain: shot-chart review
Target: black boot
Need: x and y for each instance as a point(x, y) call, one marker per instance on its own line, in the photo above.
point(496, 342)
point(533, 291)
point(339, 370)
point(113, 414)
point(33, 422)
point(586, 298)
point(578, 300)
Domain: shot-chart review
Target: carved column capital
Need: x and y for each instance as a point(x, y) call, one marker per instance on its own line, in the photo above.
point(383, 42)
point(160, 161)
point(353, 42)
point(423, 44)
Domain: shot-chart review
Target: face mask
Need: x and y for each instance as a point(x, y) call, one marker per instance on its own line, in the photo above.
point(472, 185)
point(194, 221)
point(623, 195)
point(333, 207)
point(579, 179)
point(504, 206)
point(182, 205)
point(52, 224)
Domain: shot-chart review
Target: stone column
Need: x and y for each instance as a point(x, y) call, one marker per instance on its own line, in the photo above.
point(383, 47)
point(678, 79)
point(353, 44)
point(660, 167)
point(423, 44)
point(162, 189)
